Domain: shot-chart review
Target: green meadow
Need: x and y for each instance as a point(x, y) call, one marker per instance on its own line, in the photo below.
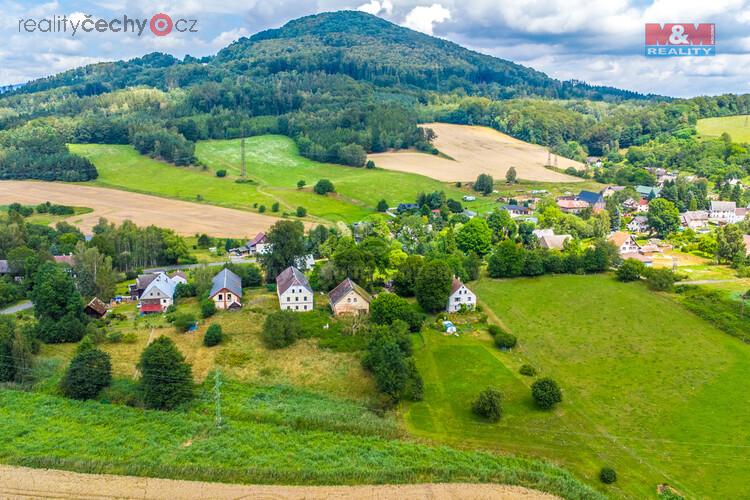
point(738, 127)
point(649, 388)
point(274, 167)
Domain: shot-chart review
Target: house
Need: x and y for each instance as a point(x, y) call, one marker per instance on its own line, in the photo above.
point(349, 298)
point(549, 240)
point(593, 200)
point(179, 277)
point(226, 290)
point(571, 205)
point(4, 267)
point(639, 224)
point(406, 207)
point(516, 210)
point(630, 205)
point(723, 212)
point(648, 191)
point(96, 308)
point(646, 259)
point(594, 161)
point(469, 198)
point(141, 283)
point(697, 219)
point(294, 291)
point(259, 245)
point(64, 259)
point(624, 242)
point(460, 296)
point(158, 295)
point(610, 190)
point(642, 206)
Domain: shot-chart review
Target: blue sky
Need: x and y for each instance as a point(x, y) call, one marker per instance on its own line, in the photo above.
point(600, 42)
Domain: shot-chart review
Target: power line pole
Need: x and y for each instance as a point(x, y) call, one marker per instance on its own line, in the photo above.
point(242, 153)
point(217, 397)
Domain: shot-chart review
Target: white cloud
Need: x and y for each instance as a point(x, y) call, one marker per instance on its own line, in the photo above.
point(227, 37)
point(424, 18)
point(376, 7)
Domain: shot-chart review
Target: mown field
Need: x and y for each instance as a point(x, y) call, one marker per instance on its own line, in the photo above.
point(274, 166)
point(649, 388)
point(738, 127)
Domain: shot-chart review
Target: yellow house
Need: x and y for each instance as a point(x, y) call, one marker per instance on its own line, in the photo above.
point(349, 298)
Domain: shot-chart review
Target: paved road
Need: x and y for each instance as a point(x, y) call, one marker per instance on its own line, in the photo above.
point(25, 483)
point(708, 282)
point(17, 308)
point(234, 260)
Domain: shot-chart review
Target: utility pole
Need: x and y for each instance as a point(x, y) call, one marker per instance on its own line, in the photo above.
point(217, 396)
point(549, 157)
point(242, 153)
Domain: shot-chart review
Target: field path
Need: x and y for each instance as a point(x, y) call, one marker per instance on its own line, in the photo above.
point(117, 206)
point(25, 483)
point(477, 150)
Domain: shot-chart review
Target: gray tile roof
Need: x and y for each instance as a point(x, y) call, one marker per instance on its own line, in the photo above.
point(291, 276)
point(226, 279)
point(4, 267)
point(344, 288)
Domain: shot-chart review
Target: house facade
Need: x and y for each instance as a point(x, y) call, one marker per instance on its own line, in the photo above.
point(349, 298)
point(696, 219)
point(294, 291)
point(624, 242)
point(639, 224)
point(158, 295)
point(723, 212)
point(226, 290)
point(460, 295)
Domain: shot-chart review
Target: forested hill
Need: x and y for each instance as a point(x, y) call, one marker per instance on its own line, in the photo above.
point(369, 48)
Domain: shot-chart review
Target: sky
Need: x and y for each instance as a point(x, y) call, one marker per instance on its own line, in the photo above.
point(597, 41)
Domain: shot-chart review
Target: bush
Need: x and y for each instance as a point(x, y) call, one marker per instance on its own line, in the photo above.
point(370, 164)
point(324, 186)
point(183, 322)
point(489, 404)
point(527, 370)
point(114, 337)
point(505, 340)
point(546, 393)
point(301, 212)
point(630, 270)
point(221, 173)
point(208, 308)
point(301, 184)
point(281, 329)
point(213, 336)
point(89, 372)
point(382, 206)
point(261, 209)
point(275, 207)
point(388, 307)
point(494, 330)
point(660, 280)
point(607, 475)
point(166, 379)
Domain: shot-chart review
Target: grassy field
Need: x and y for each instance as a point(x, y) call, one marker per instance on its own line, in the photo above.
point(274, 166)
point(738, 127)
point(649, 388)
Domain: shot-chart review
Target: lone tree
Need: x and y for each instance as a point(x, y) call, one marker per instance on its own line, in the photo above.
point(434, 285)
point(213, 336)
point(58, 306)
point(511, 175)
point(287, 243)
point(382, 206)
point(663, 216)
point(546, 393)
point(324, 186)
point(489, 404)
point(281, 329)
point(484, 184)
point(89, 372)
point(166, 379)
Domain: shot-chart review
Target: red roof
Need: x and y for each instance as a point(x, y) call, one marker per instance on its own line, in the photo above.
point(149, 308)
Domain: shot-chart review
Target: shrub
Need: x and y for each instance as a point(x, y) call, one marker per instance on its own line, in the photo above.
point(213, 336)
point(114, 337)
point(388, 307)
point(660, 280)
point(166, 379)
point(301, 184)
point(208, 308)
point(527, 370)
point(489, 404)
point(324, 186)
point(130, 338)
point(505, 340)
point(546, 393)
point(382, 206)
point(183, 322)
point(607, 475)
point(275, 207)
point(301, 211)
point(630, 270)
point(494, 330)
point(261, 209)
point(370, 164)
point(221, 173)
point(89, 372)
point(281, 329)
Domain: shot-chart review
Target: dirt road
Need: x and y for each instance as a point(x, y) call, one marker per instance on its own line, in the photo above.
point(25, 483)
point(184, 217)
point(476, 150)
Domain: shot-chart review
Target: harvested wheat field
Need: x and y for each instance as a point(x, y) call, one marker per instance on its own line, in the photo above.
point(23, 483)
point(476, 150)
point(117, 206)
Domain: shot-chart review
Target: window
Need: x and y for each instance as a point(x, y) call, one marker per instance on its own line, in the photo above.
point(458, 299)
point(288, 299)
point(296, 308)
point(349, 300)
point(355, 299)
point(220, 297)
point(296, 299)
point(305, 308)
point(229, 296)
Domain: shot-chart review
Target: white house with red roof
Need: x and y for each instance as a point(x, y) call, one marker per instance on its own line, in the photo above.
point(460, 296)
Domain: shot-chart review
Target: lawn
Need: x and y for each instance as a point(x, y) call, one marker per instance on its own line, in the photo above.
point(738, 127)
point(273, 165)
point(649, 388)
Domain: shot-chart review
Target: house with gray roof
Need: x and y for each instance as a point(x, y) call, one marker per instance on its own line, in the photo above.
point(294, 291)
point(158, 295)
point(349, 298)
point(226, 290)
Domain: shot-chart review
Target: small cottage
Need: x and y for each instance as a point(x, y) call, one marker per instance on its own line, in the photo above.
point(96, 308)
point(624, 242)
point(460, 295)
point(349, 298)
point(226, 290)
